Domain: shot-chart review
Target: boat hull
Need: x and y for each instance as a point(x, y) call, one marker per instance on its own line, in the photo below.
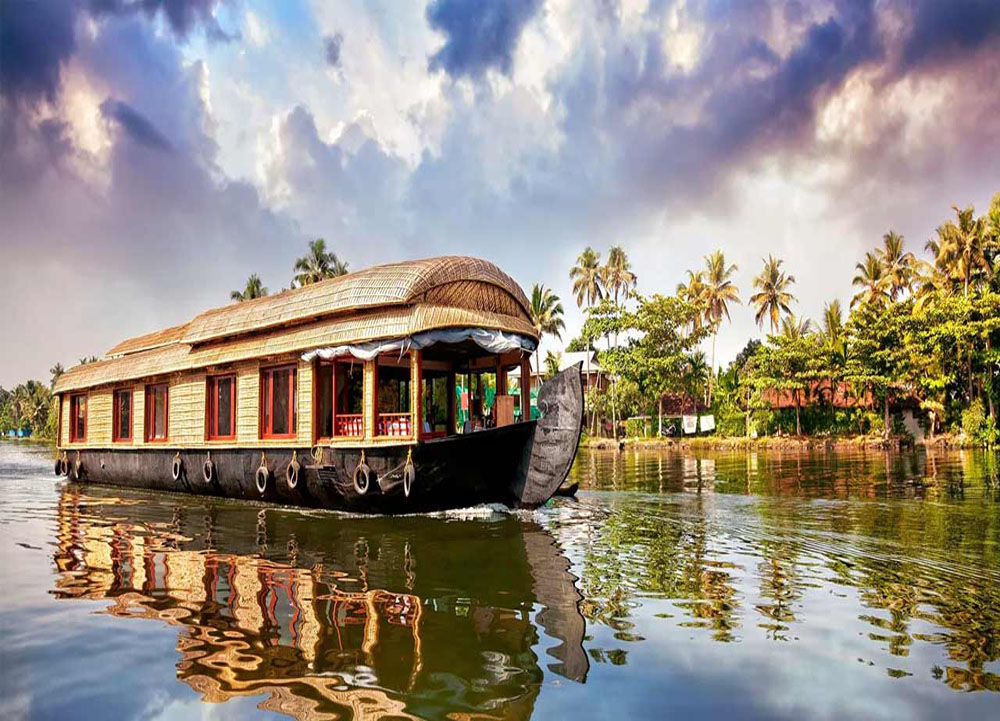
point(520, 465)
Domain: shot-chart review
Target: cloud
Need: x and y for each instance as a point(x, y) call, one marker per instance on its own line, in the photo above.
point(182, 16)
point(331, 49)
point(478, 36)
point(35, 40)
point(134, 124)
point(942, 31)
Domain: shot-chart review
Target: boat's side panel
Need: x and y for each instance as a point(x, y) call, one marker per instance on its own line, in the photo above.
point(448, 473)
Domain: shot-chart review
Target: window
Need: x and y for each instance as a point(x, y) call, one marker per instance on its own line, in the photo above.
point(157, 409)
point(435, 407)
point(221, 407)
point(277, 408)
point(78, 418)
point(340, 399)
point(121, 425)
point(393, 398)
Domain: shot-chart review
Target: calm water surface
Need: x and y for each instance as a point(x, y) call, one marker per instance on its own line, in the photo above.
point(761, 586)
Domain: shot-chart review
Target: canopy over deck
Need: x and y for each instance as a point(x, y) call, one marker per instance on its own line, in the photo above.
point(387, 302)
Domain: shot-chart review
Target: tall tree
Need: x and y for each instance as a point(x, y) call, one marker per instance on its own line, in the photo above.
point(773, 296)
point(617, 274)
point(254, 289)
point(546, 316)
point(693, 292)
point(318, 264)
point(898, 265)
point(963, 245)
point(57, 370)
point(587, 287)
point(870, 281)
point(718, 293)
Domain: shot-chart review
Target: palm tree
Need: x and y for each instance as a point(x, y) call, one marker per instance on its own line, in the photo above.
point(719, 291)
point(833, 322)
point(318, 264)
point(773, 296)
point(552, 363)
point(617, 274)
point(694, 293)
point(57, 370)
point(694, 373)
point(871, 280)
point(254, 289)
point(795, 328)
point(962, 247)
point(898, 267)
point(546, 316)
point(586, 277)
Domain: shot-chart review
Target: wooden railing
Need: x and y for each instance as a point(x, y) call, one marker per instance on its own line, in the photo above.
point(394, 424)
point(352, 425)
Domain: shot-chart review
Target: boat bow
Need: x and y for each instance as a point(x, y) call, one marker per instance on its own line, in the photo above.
point(550, 454)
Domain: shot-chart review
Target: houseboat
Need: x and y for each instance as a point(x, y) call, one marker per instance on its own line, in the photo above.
point(381, 391)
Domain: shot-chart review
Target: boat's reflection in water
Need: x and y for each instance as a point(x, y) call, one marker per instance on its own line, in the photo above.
point(326, 616)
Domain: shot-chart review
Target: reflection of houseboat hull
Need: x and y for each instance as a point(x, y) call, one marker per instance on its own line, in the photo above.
point(519, 465)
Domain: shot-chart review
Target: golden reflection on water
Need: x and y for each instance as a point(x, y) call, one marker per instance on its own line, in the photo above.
point(330, 625)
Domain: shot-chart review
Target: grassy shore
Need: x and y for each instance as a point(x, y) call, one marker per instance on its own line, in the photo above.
point(726, 443)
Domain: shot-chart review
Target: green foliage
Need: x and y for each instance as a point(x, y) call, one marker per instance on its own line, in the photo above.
point(974, 419)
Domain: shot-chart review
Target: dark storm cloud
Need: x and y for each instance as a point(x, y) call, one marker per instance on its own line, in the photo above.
point(181, 15)
point(478, 35)
point(331, 49)
point(35, 39)
point(135, 125)
point(942, 30)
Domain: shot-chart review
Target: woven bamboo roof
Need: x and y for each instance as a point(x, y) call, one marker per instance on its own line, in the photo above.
point(378, 286)
point(404, 299)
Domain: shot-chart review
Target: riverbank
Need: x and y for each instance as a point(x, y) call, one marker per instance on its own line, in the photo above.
point(801, 443)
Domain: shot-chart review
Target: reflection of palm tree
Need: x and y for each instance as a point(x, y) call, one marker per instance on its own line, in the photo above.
point(773, 296)
point(253, 289)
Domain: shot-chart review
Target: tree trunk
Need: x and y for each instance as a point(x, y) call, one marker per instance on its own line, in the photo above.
point(659, 432)
point(885, 431)
point(711, 374)
point(798, 427)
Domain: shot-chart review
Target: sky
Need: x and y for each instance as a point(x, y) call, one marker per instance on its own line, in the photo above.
point(154, 153)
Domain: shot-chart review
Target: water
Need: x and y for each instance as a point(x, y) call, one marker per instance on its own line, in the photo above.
point(819, 586)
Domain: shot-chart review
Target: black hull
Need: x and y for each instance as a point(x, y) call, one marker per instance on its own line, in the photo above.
point(520, 465)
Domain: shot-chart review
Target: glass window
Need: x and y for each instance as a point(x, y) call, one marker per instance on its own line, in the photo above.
point(78, 418)
point(122, 425)
point(222, 407)
point(278, 402)
point(157, 400)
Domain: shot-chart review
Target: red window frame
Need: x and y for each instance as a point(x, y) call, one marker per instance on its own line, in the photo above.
point(116, 430)
point(150, 411)
point(212, 408)
point(74, 405)
point(267, 389)
point(388, 425)
point(360, 417)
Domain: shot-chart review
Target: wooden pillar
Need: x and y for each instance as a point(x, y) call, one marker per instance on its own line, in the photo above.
point(370, 401)
point(451, 402)
point(417, 393)
point(501, 378)
point(526, 388)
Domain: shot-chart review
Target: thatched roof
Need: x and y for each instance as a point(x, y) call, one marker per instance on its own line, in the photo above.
point(387, 301)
